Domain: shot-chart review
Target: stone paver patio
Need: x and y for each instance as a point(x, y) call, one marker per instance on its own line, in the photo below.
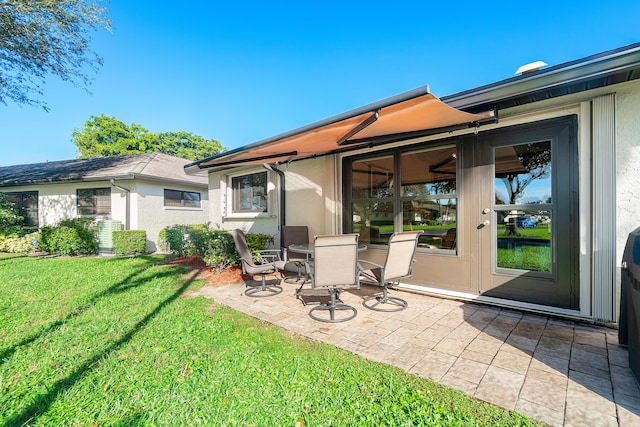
point(560, 372)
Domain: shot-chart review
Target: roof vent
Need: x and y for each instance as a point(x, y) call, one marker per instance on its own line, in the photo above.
point(530, 68)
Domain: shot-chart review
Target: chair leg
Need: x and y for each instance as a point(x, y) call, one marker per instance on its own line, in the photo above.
point(335, 306)
point(384, 302)
point(263, 289)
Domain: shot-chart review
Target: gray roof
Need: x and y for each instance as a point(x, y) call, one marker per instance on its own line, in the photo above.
point(149, 166)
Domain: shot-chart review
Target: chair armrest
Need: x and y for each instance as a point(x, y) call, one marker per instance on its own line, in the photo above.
point(268, 256)
point(368, 262)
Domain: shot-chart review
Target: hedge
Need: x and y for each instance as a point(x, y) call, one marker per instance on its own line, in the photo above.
point(129, 242)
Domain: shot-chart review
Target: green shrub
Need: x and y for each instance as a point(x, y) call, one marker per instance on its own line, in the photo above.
point(221, 252)
point(129, 242)
point(215, 246)
point(70, 237)
point(185, 240)
point(18, 244)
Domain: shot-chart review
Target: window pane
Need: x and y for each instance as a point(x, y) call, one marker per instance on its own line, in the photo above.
point(523, 174)
point(250, 192)
point(373, 177)
point(26, 202)
point(172, 198)
point(429, 172)
point(94, 201)
point(524, 240)
point(374, 221)
point(190, 199)
point(438, 218)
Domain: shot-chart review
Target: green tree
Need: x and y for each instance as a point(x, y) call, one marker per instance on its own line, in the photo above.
point(43, 38)
point(107, 136)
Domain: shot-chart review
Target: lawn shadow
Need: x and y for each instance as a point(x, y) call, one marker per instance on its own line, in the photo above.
point(117, 288)
point(42, 402)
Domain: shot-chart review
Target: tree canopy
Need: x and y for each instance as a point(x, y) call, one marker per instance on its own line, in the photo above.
point(107, 136)
point(43, 38)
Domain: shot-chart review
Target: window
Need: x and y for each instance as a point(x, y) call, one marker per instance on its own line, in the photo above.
point(26, 202)
point(401, 191)
point(249, 193)
point(181, 199)
point(94, 201)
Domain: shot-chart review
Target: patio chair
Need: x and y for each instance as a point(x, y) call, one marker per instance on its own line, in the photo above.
point(335, 268)
point(294, 261)
point(398, 265)
point(269, 266)
point(450, 239)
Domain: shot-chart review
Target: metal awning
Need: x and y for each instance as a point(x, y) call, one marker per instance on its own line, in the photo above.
point(413, 111)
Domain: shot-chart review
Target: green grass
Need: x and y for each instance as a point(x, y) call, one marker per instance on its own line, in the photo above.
point(115, 342)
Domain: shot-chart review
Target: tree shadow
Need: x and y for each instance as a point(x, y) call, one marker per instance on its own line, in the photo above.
point(42, 402)
point(587, 355)
point(123, 285)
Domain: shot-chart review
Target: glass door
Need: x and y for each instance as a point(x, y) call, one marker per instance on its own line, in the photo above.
point(528, 219)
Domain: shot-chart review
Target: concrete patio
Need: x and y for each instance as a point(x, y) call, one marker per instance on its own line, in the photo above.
point(560, 372)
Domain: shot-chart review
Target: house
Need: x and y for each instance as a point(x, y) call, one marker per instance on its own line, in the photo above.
point(144, 192)
point(560, 143)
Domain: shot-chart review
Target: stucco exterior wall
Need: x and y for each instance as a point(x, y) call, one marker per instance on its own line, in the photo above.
point(149, 213)
point(311, 199)
point(627, 163)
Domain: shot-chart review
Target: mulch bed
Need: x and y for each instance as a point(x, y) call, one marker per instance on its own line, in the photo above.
point(227, 277)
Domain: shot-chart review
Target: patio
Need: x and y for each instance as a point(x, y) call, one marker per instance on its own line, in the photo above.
point(556, 371)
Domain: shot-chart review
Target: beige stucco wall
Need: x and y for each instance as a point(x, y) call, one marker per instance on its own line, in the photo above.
point(149, 213)
point(311, 199)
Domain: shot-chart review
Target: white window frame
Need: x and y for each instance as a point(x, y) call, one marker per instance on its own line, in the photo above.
point(227, 195)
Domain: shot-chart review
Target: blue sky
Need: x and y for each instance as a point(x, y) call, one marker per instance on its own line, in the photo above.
point(242, 71)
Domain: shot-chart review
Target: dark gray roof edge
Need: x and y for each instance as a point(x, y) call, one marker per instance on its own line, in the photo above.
point(405, 96)
point(619, 59)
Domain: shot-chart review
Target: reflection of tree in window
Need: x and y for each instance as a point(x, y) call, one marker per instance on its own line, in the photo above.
point(250, 192)
point(520, 165)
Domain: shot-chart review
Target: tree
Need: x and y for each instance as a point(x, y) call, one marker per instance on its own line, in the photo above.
point(43, 38)
point(108, 136)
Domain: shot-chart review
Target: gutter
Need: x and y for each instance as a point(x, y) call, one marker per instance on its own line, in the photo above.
point(127, 202)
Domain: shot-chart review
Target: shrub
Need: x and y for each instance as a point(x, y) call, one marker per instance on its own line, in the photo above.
point(185, 240)
point(19, 244)
point(70, 237)
point(221, 252)
point(129, 242)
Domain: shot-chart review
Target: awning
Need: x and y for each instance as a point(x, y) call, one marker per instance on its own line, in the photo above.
point(410, 112)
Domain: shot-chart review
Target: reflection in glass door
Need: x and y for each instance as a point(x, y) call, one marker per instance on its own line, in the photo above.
point(528, 223)
point(523, 207)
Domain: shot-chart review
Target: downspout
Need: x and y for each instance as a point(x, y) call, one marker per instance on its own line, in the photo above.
point(281, 216)
point(126, 201)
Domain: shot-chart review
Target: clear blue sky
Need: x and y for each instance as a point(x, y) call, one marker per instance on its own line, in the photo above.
point(241, 71)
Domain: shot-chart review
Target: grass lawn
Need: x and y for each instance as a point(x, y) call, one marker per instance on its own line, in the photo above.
point(115, 342)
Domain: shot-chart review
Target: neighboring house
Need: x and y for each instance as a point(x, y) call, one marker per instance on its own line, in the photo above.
point(144, 191)
point(563, 144)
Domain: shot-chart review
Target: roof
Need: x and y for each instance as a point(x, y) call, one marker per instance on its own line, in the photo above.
point(416, 110)
point(149, 166)
point(602, 69)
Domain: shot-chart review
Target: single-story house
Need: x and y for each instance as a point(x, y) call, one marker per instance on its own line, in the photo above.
point(144, 192)
point(537, 175)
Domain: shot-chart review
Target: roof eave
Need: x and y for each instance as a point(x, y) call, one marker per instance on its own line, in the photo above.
point(620, 60)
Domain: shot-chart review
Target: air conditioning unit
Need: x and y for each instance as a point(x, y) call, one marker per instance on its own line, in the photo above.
point(105, 234)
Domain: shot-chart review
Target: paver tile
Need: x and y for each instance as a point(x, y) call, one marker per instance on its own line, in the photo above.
point(500, 387)
point(515, 362)
point(540, 413)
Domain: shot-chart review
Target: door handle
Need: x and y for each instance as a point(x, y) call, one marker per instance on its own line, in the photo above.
point(484, 224)
point(486, 211)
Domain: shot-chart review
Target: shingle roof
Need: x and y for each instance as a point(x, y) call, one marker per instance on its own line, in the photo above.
point(151, 166)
